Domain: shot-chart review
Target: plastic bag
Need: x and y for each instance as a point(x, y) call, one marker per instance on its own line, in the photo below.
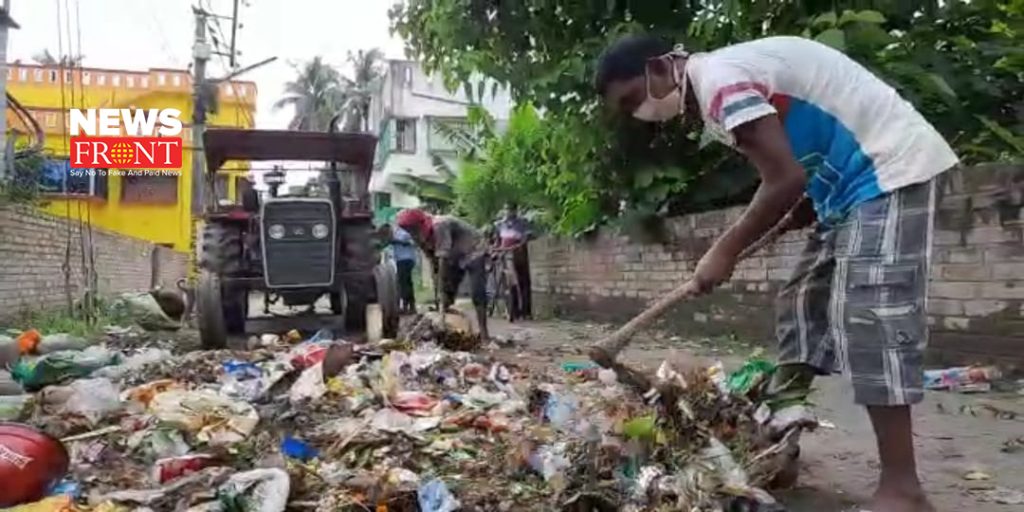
point(753, 373)
point(145, 311)
point(434, 496)
point(560, 410)
point(214, 419)
point(310, 384)
point(93, 399)
point(133, 363)
point(57, 342)
point(259, 490)
point(36, 373)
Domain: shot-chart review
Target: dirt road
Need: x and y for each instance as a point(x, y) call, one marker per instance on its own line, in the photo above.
point(840, 464)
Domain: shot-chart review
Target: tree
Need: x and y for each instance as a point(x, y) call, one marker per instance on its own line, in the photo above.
point(45, 58)
point(316, 95)
point(358, 90)
point(959, 62)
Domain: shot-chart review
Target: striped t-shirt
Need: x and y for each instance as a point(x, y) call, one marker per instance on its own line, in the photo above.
point(855, 136)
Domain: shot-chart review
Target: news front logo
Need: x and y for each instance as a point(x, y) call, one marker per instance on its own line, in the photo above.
point(126, 138)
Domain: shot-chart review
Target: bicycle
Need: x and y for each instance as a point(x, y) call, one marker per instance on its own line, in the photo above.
point(502, 285)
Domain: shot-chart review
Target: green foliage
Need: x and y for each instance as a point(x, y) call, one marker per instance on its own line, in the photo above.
point(960, 63)
point(23, 184)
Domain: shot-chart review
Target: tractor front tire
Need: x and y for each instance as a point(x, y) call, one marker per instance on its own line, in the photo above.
point(213, 331)
point(221, 248)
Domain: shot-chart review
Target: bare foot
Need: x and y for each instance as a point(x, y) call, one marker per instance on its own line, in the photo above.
point(900, 500)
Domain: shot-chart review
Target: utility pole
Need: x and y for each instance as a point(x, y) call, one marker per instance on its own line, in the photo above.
point(234, 30)
point(201, 55)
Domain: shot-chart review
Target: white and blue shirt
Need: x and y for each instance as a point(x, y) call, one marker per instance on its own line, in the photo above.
point(853, 133)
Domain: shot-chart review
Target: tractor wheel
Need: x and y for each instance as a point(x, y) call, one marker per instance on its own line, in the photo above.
point(357, 296)
point(221, 248)
point(236, 310)
point(387, 297)
point(213, 331)
point(337, 303)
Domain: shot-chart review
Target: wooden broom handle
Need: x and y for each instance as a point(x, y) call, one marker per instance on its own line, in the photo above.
point(607, 350)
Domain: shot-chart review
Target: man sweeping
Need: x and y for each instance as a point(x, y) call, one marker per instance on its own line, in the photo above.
point(817, 126)
point(456, 250)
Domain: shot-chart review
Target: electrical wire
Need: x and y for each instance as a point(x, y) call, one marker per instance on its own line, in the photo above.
point(66, 266)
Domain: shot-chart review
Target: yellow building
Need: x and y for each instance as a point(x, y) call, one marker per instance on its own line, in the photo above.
point(154, 208)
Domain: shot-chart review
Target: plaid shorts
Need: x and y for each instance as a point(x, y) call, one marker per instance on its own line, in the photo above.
point(856, 303)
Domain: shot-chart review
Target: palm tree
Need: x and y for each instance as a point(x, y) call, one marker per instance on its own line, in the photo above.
point(316, 94)
point(367, 70)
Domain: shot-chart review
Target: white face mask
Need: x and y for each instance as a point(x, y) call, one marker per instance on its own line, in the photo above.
point(656, 110)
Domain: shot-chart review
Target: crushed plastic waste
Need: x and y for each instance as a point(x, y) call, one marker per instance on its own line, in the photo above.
point(34, 373)
point(148, 313)
point(963, 379)
point(421, 422)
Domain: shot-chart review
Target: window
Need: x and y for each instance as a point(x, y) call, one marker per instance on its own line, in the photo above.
point(229, 91)
point(129, 81)
point(381, 200)
point(405, 135)
point(53, 76)
point(176, 80)
point(149, 189)
point(51, 120)
point(101, 79)
point(56, 178)
point(408, 75)
point(241, 91)
point(38, 75)
point(144, 82)
point(10, 74)
point(115, 80)
point(23, 75)
point(67, 77)
point(161, 79)
point(86, 78)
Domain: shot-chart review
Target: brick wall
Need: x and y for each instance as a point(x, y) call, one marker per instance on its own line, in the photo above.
point(32, 254)
point(976, 303)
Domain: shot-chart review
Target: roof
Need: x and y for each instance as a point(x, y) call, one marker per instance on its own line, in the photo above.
point(356, 149)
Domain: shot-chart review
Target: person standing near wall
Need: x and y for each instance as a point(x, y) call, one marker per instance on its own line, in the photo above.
point(403, 248)
point(514, 234)
point(824, 133)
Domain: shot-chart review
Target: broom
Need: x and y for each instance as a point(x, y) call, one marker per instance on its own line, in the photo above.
point(606, 351)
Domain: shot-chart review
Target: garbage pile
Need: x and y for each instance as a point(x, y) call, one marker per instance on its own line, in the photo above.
point(398, 426)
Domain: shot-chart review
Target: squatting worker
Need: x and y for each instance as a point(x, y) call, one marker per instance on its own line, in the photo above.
point(456, 250)
point(514, 234)
point(823, 130)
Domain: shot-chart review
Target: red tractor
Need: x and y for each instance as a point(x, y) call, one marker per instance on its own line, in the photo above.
point(297, 251)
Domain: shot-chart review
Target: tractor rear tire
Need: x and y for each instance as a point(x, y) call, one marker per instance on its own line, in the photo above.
point(213, 331)
point(386, 280)
point(221, 248)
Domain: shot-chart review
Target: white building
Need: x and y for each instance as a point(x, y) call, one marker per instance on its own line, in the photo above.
point(405, 112)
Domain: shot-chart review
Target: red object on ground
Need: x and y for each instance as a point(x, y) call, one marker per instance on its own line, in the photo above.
point(165, 470)
point(308, 354)
point(30, 463)
point(28, 342)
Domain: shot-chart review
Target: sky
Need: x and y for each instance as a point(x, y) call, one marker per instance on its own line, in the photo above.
point(143, 34)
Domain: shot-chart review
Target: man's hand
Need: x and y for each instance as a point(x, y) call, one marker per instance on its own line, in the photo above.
point(713, 269)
